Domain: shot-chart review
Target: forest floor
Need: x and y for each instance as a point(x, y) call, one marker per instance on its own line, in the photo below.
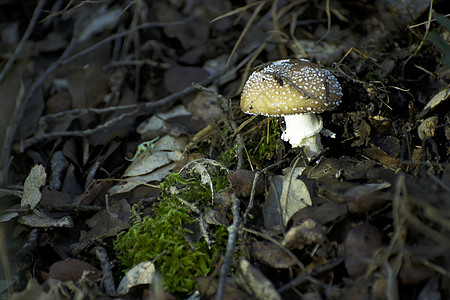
point(128, 169)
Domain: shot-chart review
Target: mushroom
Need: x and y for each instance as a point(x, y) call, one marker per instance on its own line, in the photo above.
point(297, 90)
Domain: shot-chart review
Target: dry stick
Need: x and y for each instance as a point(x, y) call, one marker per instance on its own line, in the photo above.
point(122, 34)
point(77, 112)
point(253, 191)
point(230, 120)
point(231, 245)
point(108, 279)
point(245, 30)
point(12, 133)
point(280, 245)
point(139, 109)
point(26, 35)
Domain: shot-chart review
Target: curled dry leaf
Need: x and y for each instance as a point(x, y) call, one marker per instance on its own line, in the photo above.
point(436, 100)
point(306, 233)
point(31, 188)
point(427, 127)
point(153, 126)
point(143, 273)
point(100, 22)
point(271, 255)
point(255, 282)
point(207, 287)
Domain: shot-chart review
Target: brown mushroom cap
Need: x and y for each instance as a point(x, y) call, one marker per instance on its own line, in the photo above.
point(290, 86)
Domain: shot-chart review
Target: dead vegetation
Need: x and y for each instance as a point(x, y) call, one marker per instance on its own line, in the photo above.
point(106, 141)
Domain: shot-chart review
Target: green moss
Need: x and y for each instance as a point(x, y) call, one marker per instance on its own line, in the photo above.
point(260, 146)
point(167, 238)
point(267, 146)
point(228, 158)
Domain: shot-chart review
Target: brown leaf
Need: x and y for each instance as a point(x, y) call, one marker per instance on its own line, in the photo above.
point(31, 188)
point(71, 270)
point(360, 244)
point(207, 287)
point(306, 233)
point(88, 87)
point(242, 182)
point(271, 255)
point(255, 282)
point(286, 197)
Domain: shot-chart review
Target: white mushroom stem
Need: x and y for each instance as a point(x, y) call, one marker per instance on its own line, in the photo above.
point(303, 130)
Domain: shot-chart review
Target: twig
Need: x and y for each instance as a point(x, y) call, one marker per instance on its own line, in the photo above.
point(80, 133)
point(107, 279)
point(230, 120)
point(122, 34)
point(280, 245)
point(139, 109)
point(26, 35)
point(253, 191)
point(8, 142)
point(231, 245)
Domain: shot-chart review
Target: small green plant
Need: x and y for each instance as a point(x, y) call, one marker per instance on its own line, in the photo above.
point(166, 237)
point(228, 157)
point(268, 145)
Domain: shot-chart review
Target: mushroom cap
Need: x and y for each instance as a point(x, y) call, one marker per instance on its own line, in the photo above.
point(290, 86)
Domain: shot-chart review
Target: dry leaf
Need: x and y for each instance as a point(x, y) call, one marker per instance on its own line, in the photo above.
point(271, 255)
point(255, 282)
point(143, 273)
point(31, 188)
point(361, 243)
point(44, 221)
point(286, 197)
point(306, 233)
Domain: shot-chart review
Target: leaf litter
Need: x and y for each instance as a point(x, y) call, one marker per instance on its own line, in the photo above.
point(84, 84)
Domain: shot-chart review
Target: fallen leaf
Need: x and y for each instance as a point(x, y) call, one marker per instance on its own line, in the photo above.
point(31, 188)
point(427, 128)
point(255, 282)
point(306, 233)
point(207, 287)
point(153, 126)
point(436, 100)
point(271, 255)
point(71, 270)
point(360, 244)
point(178, 78)
point(44, 221)
point(242, 183)
point(286, 197)
point(143, 273)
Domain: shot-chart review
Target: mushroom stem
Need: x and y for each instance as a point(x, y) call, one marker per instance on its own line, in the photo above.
point(303, 130)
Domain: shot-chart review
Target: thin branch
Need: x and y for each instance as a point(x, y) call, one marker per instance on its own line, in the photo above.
point(253, 191)
point(122, 34)
point(108, 279)
point(231, 245)
point(230, 120)
point(139, 109)
point(280, 245)
point(26, 35)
